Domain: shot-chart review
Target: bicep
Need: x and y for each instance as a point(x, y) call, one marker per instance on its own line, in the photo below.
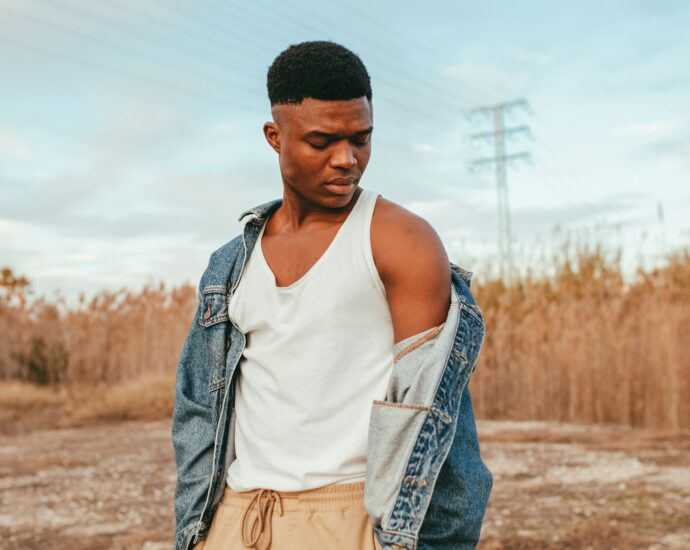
point(416, 274)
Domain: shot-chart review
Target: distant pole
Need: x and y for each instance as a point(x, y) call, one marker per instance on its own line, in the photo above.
point(662, 226)
point(500, 160)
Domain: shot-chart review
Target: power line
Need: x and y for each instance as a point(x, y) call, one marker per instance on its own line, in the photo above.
point(424, 88)
point(123, 48)
point(557, 177)
point(130, 31)
point(413, 118)
point(409, 121)
point(584, 181)
point(132, 52)
point(167, 86)
point(302, 26)
point(439, 93)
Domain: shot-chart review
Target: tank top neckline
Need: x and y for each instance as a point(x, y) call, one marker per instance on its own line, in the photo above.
point(267, 269)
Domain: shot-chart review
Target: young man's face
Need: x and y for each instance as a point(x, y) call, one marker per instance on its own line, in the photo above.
point(323, 147)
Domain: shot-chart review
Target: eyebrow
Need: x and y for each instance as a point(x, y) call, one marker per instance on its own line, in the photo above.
point(317, 133)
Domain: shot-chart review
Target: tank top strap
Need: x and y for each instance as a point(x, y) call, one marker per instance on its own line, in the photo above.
point(360, 235)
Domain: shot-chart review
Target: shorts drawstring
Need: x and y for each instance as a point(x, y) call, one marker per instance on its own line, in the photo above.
point(264, 513)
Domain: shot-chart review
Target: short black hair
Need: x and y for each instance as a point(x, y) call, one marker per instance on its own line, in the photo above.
point(319, 69)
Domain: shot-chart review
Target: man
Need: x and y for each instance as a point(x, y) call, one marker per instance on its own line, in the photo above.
point(333, 340)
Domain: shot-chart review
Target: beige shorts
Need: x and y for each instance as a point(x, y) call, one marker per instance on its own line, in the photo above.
point(332, 516)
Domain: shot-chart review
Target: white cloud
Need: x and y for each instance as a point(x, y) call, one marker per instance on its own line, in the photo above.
point(533, 56)
point(12, 145)
point(647, 130)
point(8, 229)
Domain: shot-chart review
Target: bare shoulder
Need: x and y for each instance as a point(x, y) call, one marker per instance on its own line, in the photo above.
point(400, 239)
point(413, 266)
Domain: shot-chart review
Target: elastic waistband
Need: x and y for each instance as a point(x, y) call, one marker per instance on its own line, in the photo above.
point(328, 497)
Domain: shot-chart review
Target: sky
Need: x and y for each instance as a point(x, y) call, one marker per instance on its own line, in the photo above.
point(131, 131)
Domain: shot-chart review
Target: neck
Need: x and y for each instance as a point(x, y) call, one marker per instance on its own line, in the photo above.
point(297, 211)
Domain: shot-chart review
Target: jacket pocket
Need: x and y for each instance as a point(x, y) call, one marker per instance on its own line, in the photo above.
point(216, 393)
point(214, 306)
point(213, 317)
point(393, 430)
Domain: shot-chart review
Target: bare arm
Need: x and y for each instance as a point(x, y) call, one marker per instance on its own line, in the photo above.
point(414, 268)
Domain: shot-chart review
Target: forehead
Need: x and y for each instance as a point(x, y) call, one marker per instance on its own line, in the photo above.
point(338, 116)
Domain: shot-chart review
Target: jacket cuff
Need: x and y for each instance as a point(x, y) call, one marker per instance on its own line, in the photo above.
point(184, 537)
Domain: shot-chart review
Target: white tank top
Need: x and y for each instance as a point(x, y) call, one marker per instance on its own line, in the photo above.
point(318, 352)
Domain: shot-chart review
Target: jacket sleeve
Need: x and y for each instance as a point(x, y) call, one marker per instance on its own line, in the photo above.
point(464, 481)
point(192, 431)
point(456, 510)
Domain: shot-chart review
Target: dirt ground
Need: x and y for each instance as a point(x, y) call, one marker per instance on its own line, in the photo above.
point(555, 486)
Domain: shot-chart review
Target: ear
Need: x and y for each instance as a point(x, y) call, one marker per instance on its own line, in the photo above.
point(272, 134)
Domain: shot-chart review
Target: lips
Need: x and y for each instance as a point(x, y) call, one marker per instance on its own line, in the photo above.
point(340, 188)
point(342, 181)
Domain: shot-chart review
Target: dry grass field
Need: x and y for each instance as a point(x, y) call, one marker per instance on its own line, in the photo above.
point(579, 345)
point(585, 345)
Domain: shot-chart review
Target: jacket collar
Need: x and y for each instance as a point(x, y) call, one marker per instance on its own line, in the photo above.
point(263, 210)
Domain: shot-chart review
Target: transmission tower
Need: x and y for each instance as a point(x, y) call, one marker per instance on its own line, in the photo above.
point(501, 160)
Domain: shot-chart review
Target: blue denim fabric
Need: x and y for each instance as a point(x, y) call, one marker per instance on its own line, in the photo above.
point(426, 487)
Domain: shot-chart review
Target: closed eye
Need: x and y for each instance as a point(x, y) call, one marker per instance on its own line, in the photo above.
point(362, 141)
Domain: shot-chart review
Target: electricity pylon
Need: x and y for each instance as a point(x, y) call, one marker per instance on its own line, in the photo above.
point(500, 160)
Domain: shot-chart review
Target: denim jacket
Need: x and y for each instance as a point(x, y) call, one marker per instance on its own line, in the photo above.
point(426, 485)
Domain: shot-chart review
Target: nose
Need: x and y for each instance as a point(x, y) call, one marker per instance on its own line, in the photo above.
point(343, 156)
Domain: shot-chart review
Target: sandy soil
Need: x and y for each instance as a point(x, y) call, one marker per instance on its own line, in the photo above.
point(567, 486)
point(555, 486)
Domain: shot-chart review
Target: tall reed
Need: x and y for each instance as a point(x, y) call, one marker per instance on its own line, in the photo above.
point(584, 345)
point(580, 344)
